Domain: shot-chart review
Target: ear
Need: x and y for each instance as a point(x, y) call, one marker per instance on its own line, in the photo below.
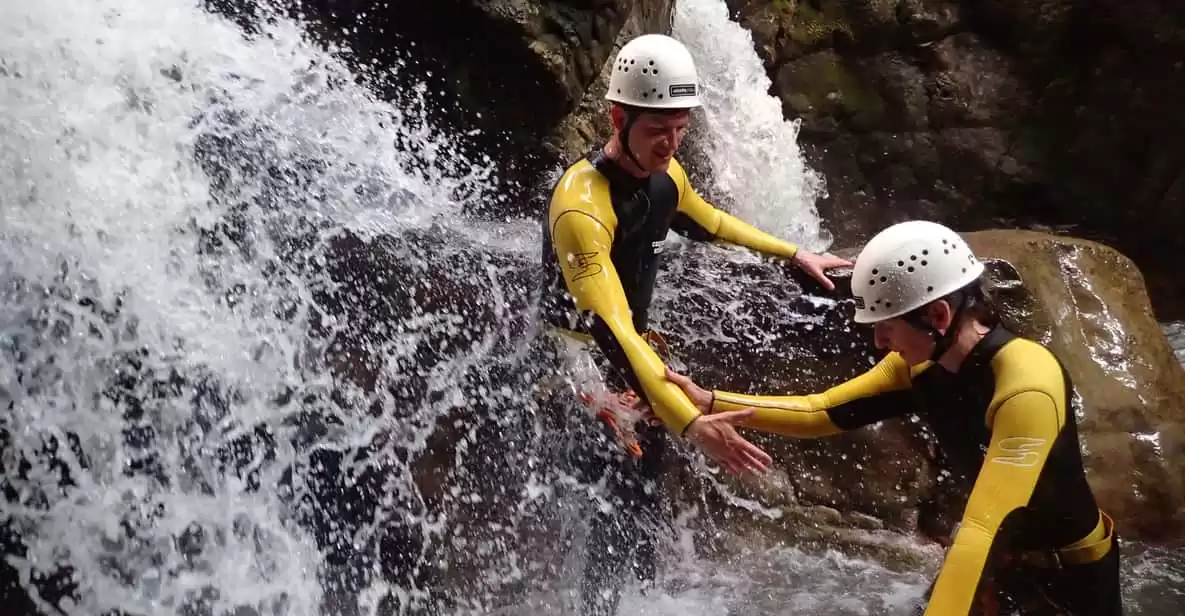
point(940, 315)
point(617, 116)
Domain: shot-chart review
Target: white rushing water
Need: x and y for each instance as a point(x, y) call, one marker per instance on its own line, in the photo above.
point(217, 399)
point(167, 190)
point(1175, 331)
point(751, 148)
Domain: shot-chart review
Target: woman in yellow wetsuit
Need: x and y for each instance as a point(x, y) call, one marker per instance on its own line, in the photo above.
point(1002, 411)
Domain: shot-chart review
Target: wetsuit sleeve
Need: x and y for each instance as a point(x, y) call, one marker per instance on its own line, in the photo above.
point(700, 220)
point(582, 245)
point(879, 394)
point(1023, 432)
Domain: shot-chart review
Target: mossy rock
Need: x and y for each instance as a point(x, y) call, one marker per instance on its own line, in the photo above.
point(821, 85)
point(811, 28)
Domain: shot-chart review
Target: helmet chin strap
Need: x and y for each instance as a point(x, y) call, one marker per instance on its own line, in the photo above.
point(943, 341)
point(631, 116)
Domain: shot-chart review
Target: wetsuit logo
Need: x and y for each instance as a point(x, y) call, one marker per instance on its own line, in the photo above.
point(582, 265)
point(682, 89)
point(1023, 451)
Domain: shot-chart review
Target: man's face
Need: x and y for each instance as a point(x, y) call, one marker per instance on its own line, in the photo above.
point(654, 137)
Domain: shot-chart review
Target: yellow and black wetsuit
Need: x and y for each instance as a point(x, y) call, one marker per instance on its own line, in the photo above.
point(603, 237)
point(1005, 424)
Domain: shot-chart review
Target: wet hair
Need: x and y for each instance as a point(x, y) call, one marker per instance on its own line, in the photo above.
point(984, 308)
point(977, 301)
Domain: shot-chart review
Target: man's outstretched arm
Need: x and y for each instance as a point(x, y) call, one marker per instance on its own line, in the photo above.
point(700, 220)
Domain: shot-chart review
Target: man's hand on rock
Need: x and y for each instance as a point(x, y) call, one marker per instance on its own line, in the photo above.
point(816, 265)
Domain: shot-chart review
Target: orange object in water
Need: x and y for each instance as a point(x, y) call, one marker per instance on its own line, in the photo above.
point(625, 437)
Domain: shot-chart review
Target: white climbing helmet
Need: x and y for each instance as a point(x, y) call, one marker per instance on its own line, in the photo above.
point(655, 71)
point(909, 265)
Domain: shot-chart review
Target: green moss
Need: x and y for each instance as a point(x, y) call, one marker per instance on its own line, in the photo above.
point(812, 27)
point(821, 85)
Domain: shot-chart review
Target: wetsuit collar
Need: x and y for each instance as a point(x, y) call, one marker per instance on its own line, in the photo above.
point(982, 353)
point(613, 171)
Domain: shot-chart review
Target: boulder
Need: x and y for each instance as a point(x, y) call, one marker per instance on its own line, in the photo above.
point(1088, 304)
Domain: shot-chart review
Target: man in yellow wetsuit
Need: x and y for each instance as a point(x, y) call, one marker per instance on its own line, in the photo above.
point(604, 231)
point(1002, 412)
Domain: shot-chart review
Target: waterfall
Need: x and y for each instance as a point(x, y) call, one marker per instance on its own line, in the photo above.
point(751, 148)
point(177, 198)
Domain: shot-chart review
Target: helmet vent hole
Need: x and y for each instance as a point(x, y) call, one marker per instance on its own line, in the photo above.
point(888, 304)
point(964, 270)
point(929, 289)
point(654, 70)
point(944, 242)
point(913, 257)
point(923, 262)
point(645, 94)
point(883, 279)
point(945, 251)
point(660, 96)
point(900, 263)
point(910, 269)
point(872, 308)
point(645, 70)
point(872, 283)
point(874, 272)
point(925, 252)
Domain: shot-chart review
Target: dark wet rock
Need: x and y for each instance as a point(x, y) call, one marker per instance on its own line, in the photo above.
point(1044, 113)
